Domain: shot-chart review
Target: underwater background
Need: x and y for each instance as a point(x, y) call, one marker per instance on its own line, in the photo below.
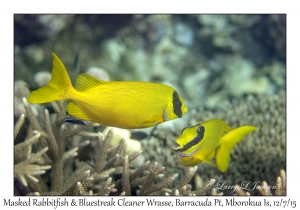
point(231, 67)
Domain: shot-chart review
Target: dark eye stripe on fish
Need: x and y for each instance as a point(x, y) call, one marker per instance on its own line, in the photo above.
point(190, 127)
point(196, 140)
point(74, 121)
point(177, 104)
point(200, 131)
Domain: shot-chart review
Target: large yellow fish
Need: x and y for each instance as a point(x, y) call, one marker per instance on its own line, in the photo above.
point(203, 142)
point(118, 104)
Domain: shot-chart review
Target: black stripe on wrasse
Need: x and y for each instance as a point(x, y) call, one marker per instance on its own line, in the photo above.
point(189, 127)
point(177, 104)
point(74, 121)
point(196, 140)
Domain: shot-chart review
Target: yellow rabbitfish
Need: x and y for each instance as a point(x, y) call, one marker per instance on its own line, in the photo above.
point(117, 104)
point(203, 142)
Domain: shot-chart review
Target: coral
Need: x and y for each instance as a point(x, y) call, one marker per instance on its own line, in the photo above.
point(148, 188)
point(131, 145)
point(108, 170)
point(68, 174)
point(98, 73)
point(29, 170)
point(264, 189)
point(42, 78)
point(27, 163)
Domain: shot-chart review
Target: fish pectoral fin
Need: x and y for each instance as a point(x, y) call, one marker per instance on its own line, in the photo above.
point(209, 159)
point(228, 142)
point(209, 162)
point(86, 81)
point(211, 155)
point(74, 110)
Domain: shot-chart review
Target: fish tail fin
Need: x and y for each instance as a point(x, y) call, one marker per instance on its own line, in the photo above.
point(228, 142)
point(57, 88)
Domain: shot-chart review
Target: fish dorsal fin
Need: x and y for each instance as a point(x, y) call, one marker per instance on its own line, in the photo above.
point(86, 81)
point(226, 129)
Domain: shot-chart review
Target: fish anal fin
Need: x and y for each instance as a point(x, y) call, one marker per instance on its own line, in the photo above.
point(222, 157)
point(228, 142)
point(86, 81)
point(74, 110)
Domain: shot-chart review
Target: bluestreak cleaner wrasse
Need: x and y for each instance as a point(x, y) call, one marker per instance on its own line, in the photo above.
point(120, 104)
point(203, 142)
point(74, 121)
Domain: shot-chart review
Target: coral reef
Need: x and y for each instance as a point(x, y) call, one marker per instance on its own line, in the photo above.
point(52, 159)
point(71, 176)
point(264, 189)
point(259, 156)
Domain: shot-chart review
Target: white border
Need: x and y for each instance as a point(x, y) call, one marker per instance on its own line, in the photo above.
point(8, 8)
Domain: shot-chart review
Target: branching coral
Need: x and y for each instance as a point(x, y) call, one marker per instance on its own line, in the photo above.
point(265, 189)
point(148, 188)
point(100, 178)
point(28, 168)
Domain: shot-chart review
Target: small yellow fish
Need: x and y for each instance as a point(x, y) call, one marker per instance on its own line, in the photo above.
point(203, 142)
point(117, 104)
